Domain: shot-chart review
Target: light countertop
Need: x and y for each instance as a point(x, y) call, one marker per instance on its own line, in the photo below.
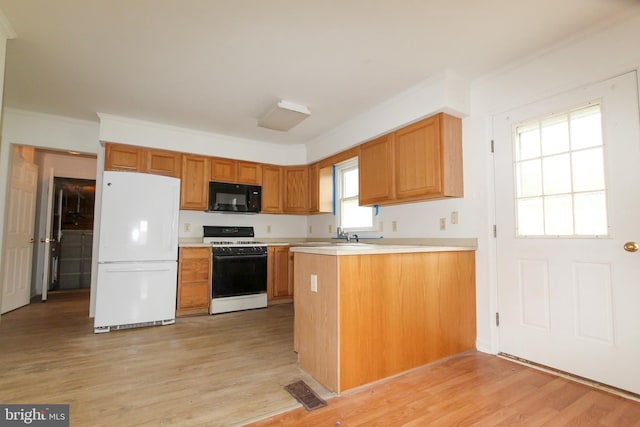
point(337, 247)
point(342, 249)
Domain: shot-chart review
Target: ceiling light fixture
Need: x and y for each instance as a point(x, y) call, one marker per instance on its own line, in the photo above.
point(284, 115)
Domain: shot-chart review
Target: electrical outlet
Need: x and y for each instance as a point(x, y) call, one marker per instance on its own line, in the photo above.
point(443, 223)
point(268, 229)
point(330, 229)
point(310, 229)
point(394, 226)
point(187, 227)
point(454, 217)
point(314, 282)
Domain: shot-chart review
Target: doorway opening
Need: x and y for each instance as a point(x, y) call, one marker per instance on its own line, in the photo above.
point(72, 219)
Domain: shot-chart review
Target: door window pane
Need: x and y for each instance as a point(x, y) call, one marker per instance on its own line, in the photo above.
point(560, 177)
point(591, 214)
point(530, 178)
point(530, 217)
point(558, 218)
point(588, 170)
point(555, 135)
point(586, 128)
point(528, 146)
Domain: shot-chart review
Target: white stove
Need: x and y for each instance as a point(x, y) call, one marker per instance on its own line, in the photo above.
point(239, 279)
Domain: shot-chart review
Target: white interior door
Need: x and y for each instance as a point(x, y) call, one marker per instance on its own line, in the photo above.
point(47, 239)
point(571, 303)
point(19, 227)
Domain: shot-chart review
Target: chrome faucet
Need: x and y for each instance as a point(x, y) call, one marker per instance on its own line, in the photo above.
point(345, 234)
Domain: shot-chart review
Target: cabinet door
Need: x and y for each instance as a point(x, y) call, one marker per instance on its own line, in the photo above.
point(194, 281)
point(314, 188)
point(296, 197)
point(223, 170)
point(282, 287)
point(418, 161)
point(124, 158)
point(249, 173)
point(194, 186)
point(279, 283)
point(161, 162)
point(271, 189)
point(375, 171)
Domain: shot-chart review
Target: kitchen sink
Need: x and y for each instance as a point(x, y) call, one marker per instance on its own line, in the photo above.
point(355, 245)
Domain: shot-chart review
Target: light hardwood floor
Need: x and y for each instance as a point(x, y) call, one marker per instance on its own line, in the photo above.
point(230, 370)
point(218, 370)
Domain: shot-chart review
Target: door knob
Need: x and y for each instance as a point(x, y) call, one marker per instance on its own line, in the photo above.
point(631, 247)
point(31, 240)
point(47, 240)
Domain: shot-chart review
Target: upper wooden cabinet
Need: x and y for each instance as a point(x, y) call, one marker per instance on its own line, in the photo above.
point(320, 189)
point(124, 158)
point(296, 189)
point(223, 170)
point(375, 176)
point(422, 161)
point(236, 171)
point(194, 187)
point(272, 189)
point(139, 159)
point(161, 162)
point(249, 173)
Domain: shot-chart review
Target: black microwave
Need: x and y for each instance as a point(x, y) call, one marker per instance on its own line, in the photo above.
point(238, 198)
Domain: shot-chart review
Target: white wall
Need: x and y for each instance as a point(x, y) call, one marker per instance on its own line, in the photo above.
point(63, 165)
point(281, 225)
point(148, 134)
point(444, 92)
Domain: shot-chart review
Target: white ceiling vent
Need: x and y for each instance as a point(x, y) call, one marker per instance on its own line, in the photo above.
point(284, 115)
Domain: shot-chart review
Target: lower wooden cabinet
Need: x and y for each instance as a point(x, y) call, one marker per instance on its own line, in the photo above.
point(279, 275)
point(194, 281)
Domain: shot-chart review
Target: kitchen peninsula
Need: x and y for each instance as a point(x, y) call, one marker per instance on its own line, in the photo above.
point(366, 312)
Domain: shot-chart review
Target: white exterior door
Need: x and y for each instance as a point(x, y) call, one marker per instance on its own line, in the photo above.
point(572, 303)
point(19, 227)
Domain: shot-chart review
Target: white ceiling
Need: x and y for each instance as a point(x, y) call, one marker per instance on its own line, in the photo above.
point(218, 65)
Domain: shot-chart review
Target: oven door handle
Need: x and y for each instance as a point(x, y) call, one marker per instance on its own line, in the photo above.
point(238, 257)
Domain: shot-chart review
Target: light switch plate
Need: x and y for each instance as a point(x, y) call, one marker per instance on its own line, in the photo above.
point(314, 283)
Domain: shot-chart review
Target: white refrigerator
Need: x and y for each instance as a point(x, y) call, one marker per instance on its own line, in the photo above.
point(138, 251)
